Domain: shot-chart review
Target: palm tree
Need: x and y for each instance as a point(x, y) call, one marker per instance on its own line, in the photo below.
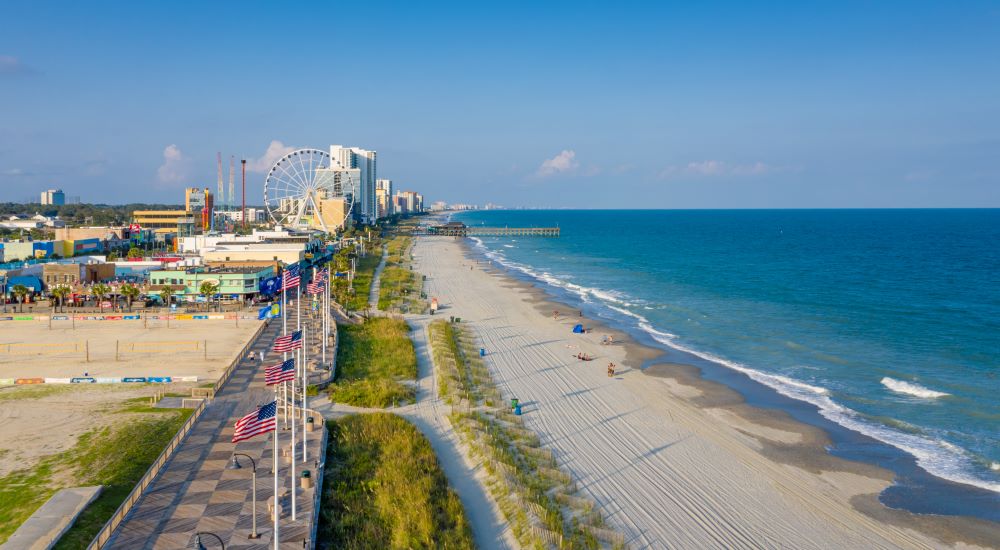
point(60, 293)
point(208, 289)
point(20, 292)
point(165, 294)
point(99, 291)
point(130, 292)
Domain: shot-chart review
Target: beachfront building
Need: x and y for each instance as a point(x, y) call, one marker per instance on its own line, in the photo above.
point(165, 223)
point(74, 274)
point(364, 161)
point(383, 198)
point(331, 214)
point(235, 283)
point(54, 197)
point(253, 215)
point(409, 202)
point(201, 205)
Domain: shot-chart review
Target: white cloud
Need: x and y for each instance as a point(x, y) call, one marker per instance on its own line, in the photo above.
point(706, 167)
point(560, 164)
point(275, 151)
point(175, 166)
point(16, 172)
point(10, 65)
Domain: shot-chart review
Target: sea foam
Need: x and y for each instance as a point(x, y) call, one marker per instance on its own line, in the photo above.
point(909, 388)
point(936, 456)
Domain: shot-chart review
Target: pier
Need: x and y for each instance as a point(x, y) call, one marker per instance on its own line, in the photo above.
point(458, 229)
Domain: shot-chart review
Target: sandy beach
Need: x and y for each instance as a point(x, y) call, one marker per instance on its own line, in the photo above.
point(672, 460)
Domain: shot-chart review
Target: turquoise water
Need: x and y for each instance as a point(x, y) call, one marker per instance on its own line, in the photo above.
point(887, 321)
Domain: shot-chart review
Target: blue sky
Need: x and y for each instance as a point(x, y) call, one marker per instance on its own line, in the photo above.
point(576, 104)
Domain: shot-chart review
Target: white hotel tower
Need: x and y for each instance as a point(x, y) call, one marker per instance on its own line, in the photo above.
point(365, 208)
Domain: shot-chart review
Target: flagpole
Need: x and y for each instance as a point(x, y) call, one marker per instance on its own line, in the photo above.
point(284, 355)
point(298, 326)
point(292, 449)
point(274, 467)
point(305, 398)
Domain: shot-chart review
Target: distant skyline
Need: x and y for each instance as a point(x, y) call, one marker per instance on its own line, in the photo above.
point(574, 104)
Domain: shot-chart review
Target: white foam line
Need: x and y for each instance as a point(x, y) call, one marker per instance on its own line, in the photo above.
point(935, 456)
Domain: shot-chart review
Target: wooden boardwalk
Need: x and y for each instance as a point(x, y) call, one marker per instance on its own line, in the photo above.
point(195, 492)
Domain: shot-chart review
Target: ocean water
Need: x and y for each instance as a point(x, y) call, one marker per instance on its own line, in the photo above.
point(884, 323)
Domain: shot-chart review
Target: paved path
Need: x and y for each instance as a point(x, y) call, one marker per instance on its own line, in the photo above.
point(49, 522)
point(377, 281)
point(195, 492)
point(429, 415)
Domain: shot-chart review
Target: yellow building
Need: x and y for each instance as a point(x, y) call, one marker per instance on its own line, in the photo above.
point(180, 222)
point(333, 212)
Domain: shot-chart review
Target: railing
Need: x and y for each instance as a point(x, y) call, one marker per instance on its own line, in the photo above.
point(109, 528)
point(318, 493)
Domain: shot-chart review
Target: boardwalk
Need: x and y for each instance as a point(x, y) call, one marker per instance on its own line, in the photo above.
point(196, 493)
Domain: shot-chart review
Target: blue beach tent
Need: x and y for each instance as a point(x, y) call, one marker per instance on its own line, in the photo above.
point(578, 329)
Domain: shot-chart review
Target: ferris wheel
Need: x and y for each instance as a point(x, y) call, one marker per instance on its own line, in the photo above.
point(300, 181)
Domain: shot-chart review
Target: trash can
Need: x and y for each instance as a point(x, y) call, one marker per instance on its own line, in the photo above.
point(310, 424)
point(482, 352)
point(306, 480)
point(513, 402)
point(517, 410)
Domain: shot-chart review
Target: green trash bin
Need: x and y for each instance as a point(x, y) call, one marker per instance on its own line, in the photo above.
point(513, 402)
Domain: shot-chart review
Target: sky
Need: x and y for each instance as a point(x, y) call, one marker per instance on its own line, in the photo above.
point(554, 104)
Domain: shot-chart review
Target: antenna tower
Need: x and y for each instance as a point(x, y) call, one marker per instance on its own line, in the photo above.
point(232, 163)
point(220, 195)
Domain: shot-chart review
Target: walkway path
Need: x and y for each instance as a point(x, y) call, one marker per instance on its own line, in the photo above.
point(429, 415)
point(377, 281)
point(195, 492)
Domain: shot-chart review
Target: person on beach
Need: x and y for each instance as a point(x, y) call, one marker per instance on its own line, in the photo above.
point(611, 370)
point(604, 340)
point(555, 314)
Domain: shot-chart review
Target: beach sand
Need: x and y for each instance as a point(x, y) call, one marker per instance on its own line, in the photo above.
point(672, 460)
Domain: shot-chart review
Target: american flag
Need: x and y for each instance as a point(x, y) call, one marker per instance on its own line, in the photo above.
point(291, 277)
point(289, 342)
point(322, 275)
point(282, 372)
point(263, 420)
point(315, 288)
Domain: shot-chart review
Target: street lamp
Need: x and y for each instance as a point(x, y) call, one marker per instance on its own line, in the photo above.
point(235, 465)
point(197, 545)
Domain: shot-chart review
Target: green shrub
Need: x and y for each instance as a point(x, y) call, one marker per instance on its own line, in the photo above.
point(383, 488)
point(373, 359)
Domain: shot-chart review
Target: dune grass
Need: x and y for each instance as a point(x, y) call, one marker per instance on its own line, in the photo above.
point(399, 285)
point(383, 488)
point(540, 501)
point(115, 457)
point(363, 276)
point(373, 361)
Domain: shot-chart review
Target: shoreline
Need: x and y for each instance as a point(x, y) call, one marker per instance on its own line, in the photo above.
point(783, 436)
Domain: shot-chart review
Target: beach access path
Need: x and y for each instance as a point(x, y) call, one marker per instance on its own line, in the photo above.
point(429, 414)
point(664, 472)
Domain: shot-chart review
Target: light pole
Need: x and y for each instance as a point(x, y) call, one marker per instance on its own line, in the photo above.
point(235, 465)
point(197, 545)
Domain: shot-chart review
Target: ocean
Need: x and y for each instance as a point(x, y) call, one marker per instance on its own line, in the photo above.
point(880, 326)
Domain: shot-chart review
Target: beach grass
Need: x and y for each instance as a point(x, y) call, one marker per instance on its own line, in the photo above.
point(383, 488)
point(539, 500)
point(375, 359)
point(399, 285)
point(364, 274)
point(115, 457)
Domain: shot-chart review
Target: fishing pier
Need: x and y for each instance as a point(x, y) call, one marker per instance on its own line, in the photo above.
point(459, 229)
